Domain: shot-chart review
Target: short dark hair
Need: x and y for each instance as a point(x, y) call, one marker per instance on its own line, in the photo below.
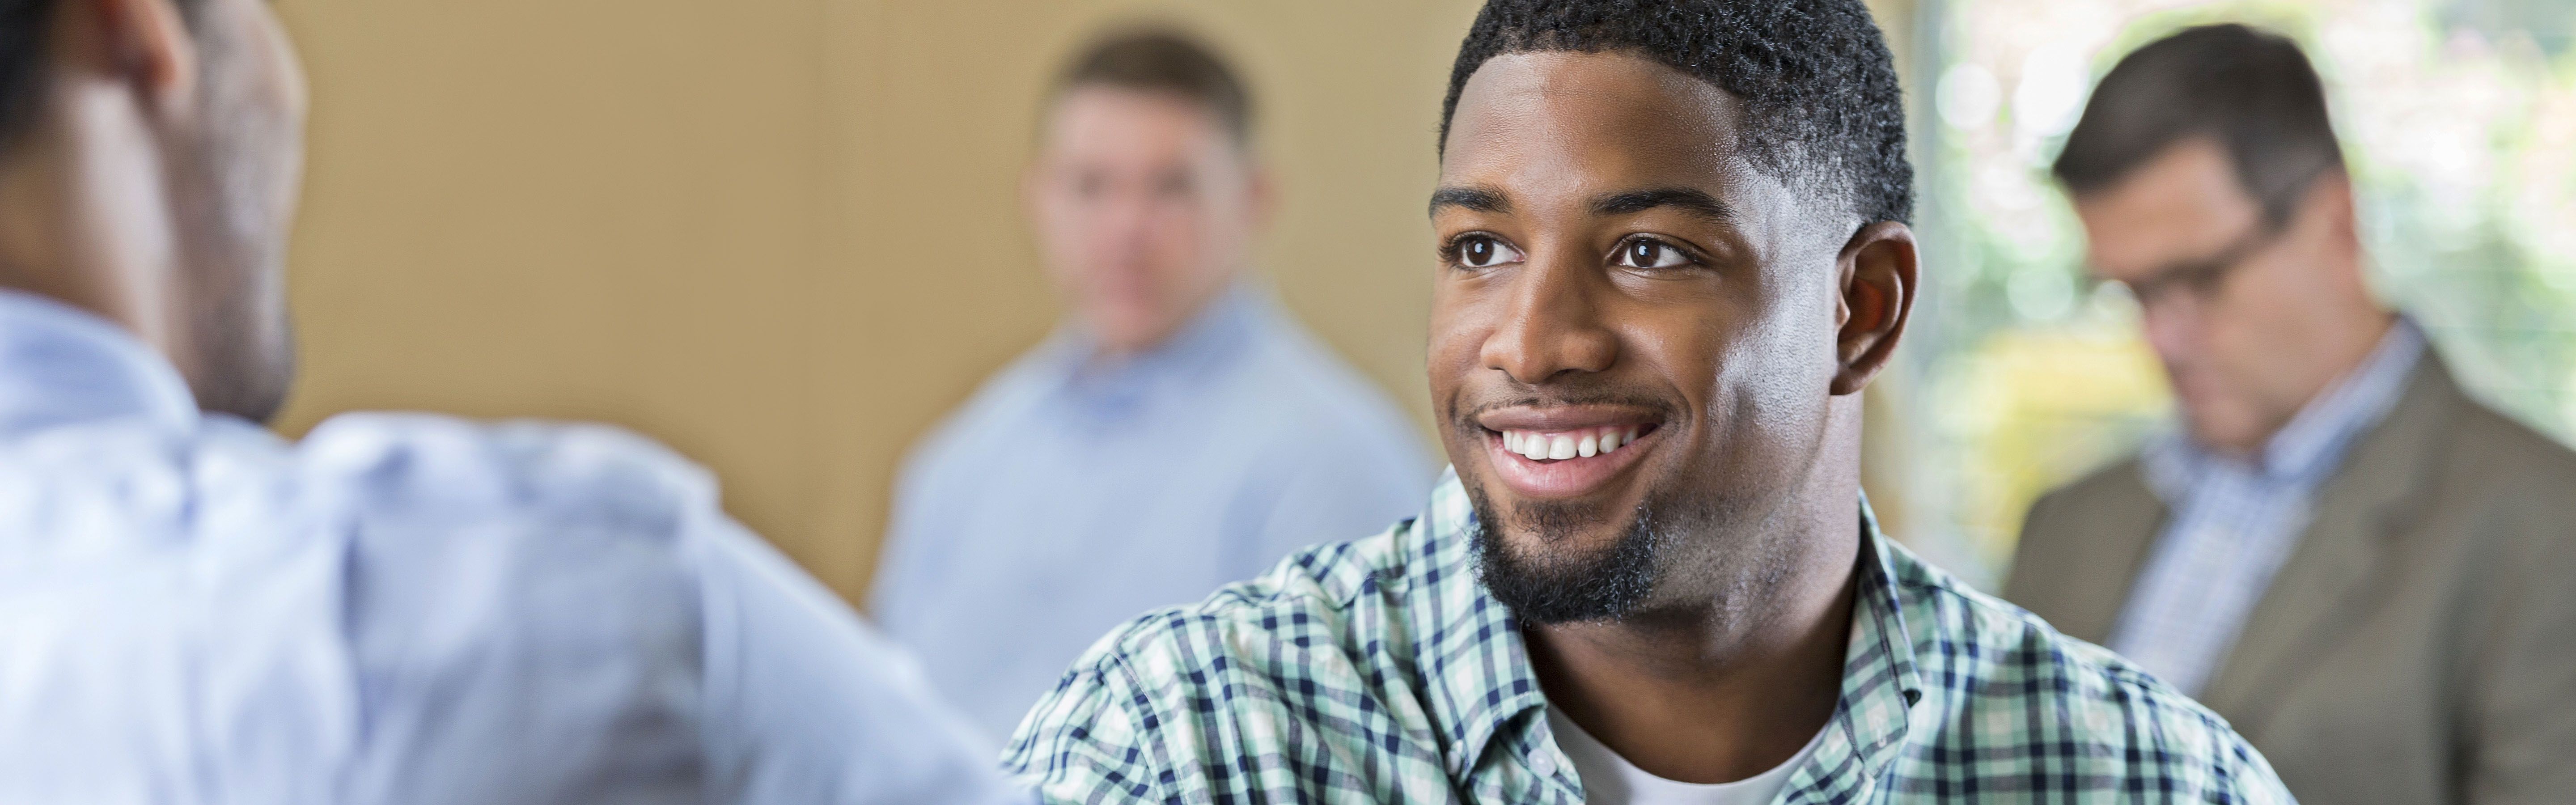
point(25, 27)
point(1821, 106)
point(2251, 91)
point(1155, 57)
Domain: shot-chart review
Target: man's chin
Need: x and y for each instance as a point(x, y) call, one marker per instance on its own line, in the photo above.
point(1562, 561)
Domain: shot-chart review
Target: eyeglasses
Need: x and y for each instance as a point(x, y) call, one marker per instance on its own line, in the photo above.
point(2199, 280)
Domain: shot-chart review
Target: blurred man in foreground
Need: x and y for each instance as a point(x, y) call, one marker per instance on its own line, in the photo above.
point(401, 608)
point(1177, 433)
point(1673, 254)
point(2369, 573)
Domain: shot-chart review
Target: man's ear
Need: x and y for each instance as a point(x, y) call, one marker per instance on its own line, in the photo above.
point(1263, 189)
point(144, 43)
point(1879, 268)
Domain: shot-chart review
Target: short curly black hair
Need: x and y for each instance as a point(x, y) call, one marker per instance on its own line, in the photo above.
point(1822, 109)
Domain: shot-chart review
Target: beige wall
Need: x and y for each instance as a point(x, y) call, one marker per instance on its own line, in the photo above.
point(782, 235)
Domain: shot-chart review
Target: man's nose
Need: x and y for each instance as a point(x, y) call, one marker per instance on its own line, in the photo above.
point(1552, 324)
point(2172, 328)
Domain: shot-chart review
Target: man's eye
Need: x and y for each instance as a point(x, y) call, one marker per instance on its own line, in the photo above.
point(1650, 253)
point(1479, 251)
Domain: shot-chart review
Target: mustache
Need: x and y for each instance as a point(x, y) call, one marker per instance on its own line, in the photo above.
point(1522, 395)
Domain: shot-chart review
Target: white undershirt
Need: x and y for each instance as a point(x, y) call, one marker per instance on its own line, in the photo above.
point(1609, 779)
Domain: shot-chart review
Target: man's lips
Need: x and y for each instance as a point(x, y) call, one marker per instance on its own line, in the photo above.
point(1564, 452)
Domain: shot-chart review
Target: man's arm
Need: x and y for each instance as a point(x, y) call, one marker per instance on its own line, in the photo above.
point(805, 703)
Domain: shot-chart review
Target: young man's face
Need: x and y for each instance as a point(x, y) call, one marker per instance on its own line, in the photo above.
point(1614, 269)
point(1145, 208)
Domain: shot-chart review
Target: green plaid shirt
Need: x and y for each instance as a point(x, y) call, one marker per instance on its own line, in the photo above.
point(1380, 671)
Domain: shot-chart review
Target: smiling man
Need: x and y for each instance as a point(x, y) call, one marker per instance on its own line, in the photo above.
point(1672, 253)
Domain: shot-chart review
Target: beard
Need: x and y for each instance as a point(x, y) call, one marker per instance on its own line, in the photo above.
point(1714, 548)
point(237, 188)
point(1551, 583)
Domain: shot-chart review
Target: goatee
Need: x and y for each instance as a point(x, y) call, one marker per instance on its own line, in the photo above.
point(1553, 583)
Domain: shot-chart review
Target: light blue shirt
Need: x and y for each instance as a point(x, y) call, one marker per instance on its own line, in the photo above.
point(407, 608)
point(1068, 495)
point(2234, 522)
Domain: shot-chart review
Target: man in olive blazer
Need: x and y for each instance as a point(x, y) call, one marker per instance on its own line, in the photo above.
point(2370, 573)
point(2418, 646)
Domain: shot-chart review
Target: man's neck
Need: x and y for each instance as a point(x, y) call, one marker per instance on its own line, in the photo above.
point(1721, 692)
point(70, 235)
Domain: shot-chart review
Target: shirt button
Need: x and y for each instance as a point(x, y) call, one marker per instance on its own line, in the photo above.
point(1545, 766)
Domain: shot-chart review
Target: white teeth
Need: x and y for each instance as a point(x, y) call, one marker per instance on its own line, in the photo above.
point(1538, 446)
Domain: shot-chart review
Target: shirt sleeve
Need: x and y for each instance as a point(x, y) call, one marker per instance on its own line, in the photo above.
point(558, 614)
point(808, 704)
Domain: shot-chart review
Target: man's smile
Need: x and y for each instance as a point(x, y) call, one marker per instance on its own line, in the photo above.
point(1565, 451)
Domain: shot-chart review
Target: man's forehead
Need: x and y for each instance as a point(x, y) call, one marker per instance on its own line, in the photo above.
point(1590, 122)
point(2183, 202)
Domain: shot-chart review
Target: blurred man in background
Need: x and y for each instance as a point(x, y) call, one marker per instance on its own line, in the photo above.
point(2369, 573)
point(1178, 432)
point(399, 609)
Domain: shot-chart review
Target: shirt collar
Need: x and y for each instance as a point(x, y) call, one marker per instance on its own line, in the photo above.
point(2312, 443)
point(60, 365)
point(1882, 678)
point(1484, 689)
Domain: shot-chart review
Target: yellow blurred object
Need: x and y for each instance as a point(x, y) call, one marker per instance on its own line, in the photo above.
point(2037, 408)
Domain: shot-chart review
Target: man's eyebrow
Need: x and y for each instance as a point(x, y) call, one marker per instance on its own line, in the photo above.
point(1472, 198)
point(1685, 199)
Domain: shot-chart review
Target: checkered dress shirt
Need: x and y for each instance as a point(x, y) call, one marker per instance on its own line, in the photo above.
point(2235, 522)
point(1380, 671)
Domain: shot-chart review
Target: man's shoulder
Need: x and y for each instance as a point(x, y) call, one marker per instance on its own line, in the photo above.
point(430, 470)
point(1001, 400)
point(1244, 694)
point(2523, 459)
point(2001, 679)
point(1314, 614)
point(1982, 645)
point(2059, 564)
point(2122, 479)
point(1303, 376)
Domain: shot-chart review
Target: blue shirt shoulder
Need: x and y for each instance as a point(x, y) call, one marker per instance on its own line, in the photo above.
point(408, 608)
point(1074, 491)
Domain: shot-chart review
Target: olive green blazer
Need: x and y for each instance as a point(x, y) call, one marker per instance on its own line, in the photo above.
point(2419, 645)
